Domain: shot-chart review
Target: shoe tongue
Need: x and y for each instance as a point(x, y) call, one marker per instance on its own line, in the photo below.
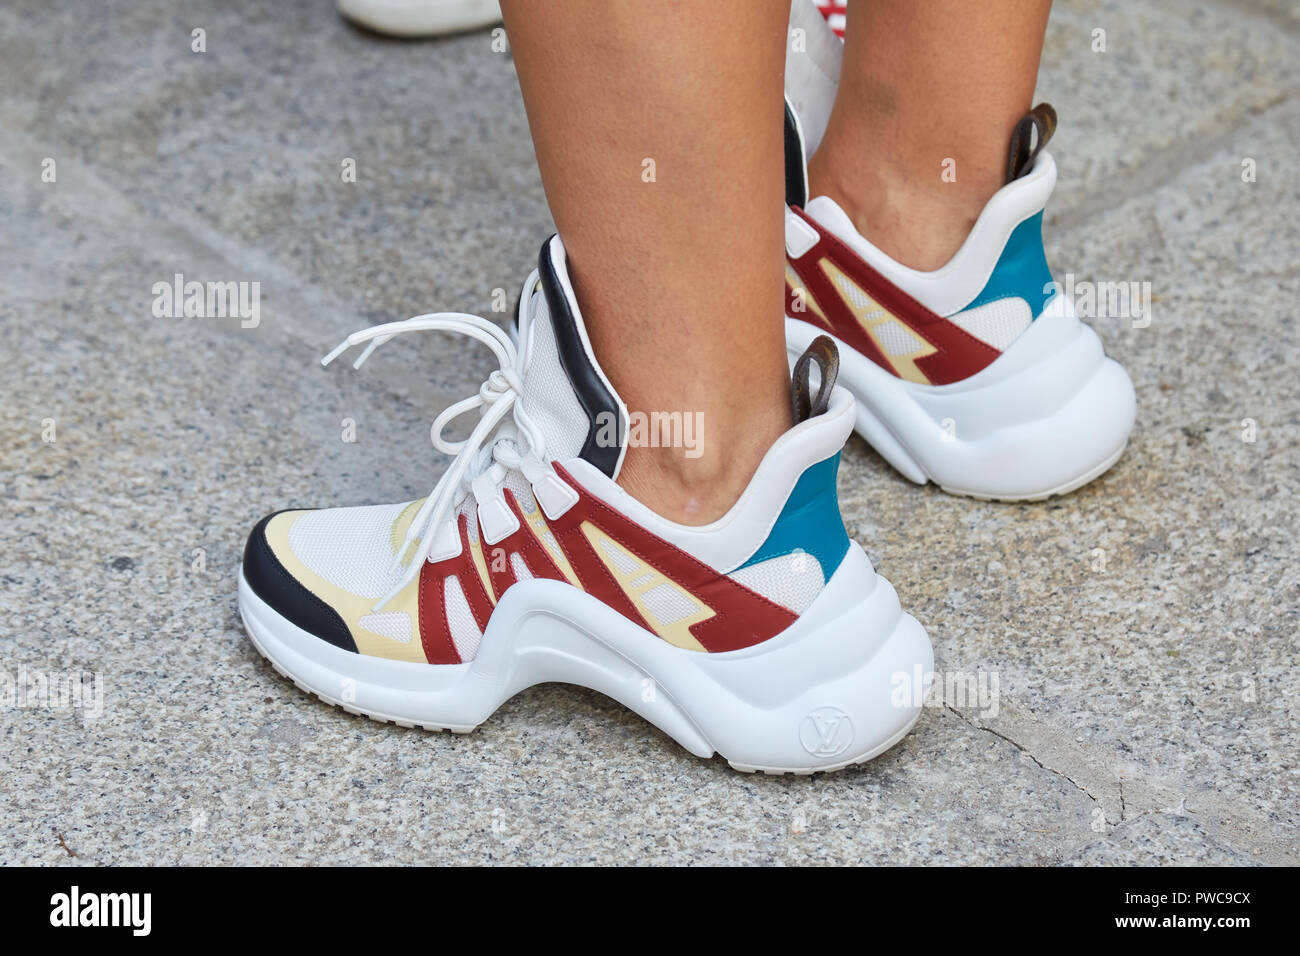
point(566, 394)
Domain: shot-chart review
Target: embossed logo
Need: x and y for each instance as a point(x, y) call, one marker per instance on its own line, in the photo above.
point(826, 732)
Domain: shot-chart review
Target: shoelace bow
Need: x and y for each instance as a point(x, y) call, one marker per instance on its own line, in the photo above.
point(477, 468)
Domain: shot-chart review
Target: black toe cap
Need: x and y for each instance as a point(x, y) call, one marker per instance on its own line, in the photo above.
point(287, 596)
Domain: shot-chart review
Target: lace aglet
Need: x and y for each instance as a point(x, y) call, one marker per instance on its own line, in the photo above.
point(336, 352)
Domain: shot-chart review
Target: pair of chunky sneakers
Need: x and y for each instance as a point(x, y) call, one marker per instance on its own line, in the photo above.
point(765, 636)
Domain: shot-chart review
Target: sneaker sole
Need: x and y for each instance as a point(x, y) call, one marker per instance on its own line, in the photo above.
point(842, 685)
point(1048, 416)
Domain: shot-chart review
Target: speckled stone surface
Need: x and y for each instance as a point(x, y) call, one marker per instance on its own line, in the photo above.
point(1142, 632)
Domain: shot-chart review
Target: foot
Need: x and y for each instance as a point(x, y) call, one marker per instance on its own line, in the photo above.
point(421, 18)
point(765, 636)
point(977, 376)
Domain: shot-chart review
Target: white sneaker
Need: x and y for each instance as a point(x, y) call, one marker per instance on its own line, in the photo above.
point(765, 636)
point(977, 376)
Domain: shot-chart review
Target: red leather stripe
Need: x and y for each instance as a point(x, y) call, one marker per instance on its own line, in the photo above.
point(534, 555)
point(590, 569)
point(840, 321)
point(435, 632)
point(435, 635)
point(958, 354)
point(741, 617)
point(494, 555)
point(480, 605)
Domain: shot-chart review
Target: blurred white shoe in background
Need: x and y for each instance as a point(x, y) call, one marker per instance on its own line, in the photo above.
point(420, 18)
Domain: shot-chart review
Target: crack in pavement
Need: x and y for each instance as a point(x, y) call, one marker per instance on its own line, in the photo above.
point(1024, 750)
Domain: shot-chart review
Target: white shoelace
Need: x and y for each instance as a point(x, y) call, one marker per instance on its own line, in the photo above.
point(479, 467)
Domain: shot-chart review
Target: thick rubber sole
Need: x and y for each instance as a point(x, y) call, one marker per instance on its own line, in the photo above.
point(836, 688)
point(1048, 416)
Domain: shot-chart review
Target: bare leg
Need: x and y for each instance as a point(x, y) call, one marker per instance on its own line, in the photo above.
point(923, 83)
point(680, 278)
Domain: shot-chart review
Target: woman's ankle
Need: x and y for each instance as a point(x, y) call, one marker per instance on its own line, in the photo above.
point(697, 480)
point(916, 217)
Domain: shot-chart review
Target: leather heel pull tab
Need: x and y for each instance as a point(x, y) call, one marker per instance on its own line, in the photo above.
point(1020, 157)
point(822, 353)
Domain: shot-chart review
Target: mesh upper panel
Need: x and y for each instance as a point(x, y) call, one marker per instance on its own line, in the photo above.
point(669, 605)
point(620, 558)
point(790, 580)
point(997, 323)
point(896, 339)
point(349, 547)
point(394, 625)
